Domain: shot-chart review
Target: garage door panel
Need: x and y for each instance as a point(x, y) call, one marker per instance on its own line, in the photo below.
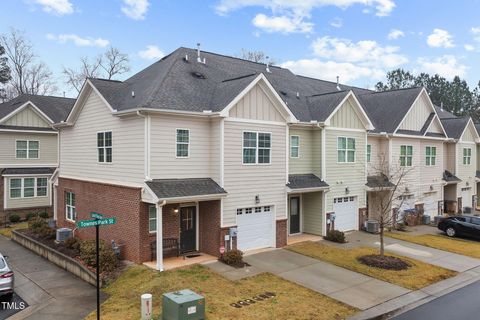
point(430, 205)
point(255, 230)
point(345, 209)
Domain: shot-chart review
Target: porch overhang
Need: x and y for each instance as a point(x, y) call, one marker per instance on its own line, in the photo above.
point(450, 178)
point(179, 190)
point(379, 183)
point(301, 183)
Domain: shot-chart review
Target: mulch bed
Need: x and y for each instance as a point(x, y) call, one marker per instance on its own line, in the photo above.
point(239, 265)
point(385, 262)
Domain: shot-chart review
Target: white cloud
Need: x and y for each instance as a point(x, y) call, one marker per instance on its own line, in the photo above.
point(337, 23)
point(476, 33)
point(135, 9)
point(79, 41)
point(366, 52)
point(395, 34)
point(447, 66)
point(152, 52)
point(328, 70)
point(282, 24)
point(469, 47)
point(294, 12)
point(59, 7)
point(440, 38)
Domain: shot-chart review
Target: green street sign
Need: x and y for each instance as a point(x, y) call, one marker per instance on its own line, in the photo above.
point(99, 222)
point(96, 215)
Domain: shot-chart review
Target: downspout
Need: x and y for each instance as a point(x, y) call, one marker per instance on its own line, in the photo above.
point(159, 210)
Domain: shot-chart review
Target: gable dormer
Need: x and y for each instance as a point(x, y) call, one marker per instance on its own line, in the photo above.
point(470, 133)
point(27, 116)
point(418, 114)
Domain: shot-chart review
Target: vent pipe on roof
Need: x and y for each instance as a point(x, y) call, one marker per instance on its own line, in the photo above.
point(441, 105)
point(198, 53)
point(298, 95)
point(133, 94)
point(186, 57)
point(338, 84)
point(268, 64)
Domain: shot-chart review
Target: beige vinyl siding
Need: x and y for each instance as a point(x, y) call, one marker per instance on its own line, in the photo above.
point(28, 118)
point(29, 202)
point(244, 182)
point(47, 148)
point(215, 149)
point(449, 157)
point(431, 174)
point(304, 162)
point(469, 134)
point(164, 162)
point(346, 117)
point(256, 105)
point(379, 155)
point(312, 212)
point(466, 172)
point(435, 126)
point(78, 145)
point(417, 115)
point(317, 153)
point(478, 156)
point(345, 175)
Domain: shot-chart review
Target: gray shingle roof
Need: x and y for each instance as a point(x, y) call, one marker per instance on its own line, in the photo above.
point(303, 181)
point(32, 171)
point(454, 126)
point(46, 129)
point(56, 108)
point(386, 109)
point(177, 84)
point(379, 181)
point(174, 188)
point(450, 177)
point(442, 113)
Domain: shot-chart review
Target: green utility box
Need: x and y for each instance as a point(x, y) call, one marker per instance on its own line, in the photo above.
point(183, 305)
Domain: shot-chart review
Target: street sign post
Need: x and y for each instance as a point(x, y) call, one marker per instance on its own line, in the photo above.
point(98, 220)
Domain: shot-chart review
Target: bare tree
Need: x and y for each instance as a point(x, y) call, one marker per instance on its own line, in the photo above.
point(108, 65)
point(255, 56)
point(391, 190)
point(27, 75)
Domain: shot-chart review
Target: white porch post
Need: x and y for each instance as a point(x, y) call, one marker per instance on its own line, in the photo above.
point(159, 210)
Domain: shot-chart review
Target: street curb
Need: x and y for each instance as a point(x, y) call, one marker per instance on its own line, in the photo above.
point(414, 299)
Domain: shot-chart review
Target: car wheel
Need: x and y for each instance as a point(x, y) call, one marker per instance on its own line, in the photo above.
point(451, 231)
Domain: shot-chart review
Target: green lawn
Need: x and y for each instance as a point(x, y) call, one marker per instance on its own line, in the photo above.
point(416, 277)
point(455, 245)
point(291, 302)
point(7, 232)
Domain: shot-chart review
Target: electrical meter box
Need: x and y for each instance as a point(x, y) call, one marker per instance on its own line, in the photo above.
point(183, 305)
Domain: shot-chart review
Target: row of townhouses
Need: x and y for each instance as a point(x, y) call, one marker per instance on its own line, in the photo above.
point(200, 146)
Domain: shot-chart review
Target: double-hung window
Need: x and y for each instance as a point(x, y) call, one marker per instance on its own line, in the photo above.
point(70, 210)
point(104, 146)
point(406, 155)
point(467, 156)
point(369, 152)
point(152, 219)
point(15, 188)
point(345, 150)
point(294, 146)
point(430, 156)
point(28, 187)
point(256, 147)
point(27, 149)
point(183, 143)
point(41, 187)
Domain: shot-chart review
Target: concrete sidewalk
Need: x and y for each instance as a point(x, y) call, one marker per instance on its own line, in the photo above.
point(51, 292)
point(352, 288)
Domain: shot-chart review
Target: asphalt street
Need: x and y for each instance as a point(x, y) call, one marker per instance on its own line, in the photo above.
point(462, 304)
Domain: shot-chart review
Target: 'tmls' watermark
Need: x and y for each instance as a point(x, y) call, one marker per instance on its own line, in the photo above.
point(13, 305)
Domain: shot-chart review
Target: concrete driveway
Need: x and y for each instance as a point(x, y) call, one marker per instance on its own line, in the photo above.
point(352, 288)
point(51, 292)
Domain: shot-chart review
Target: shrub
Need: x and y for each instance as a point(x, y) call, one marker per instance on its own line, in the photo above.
point(46, 232)
point(36, 224)
point(335, 236)
point(108, 259)
point(43, 215)
point(72, 243)
point(29, 216)
point(401, 227)
point(14, 218)
point(233, 257)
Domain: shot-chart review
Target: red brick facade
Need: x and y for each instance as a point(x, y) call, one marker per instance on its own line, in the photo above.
point(210, 236)
point(281, 236)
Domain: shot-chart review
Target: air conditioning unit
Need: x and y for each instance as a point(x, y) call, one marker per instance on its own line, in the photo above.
point(63, 234)
point(372, 226)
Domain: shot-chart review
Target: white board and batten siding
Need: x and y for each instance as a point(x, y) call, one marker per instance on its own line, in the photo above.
point(27, 117)
point(309, 157)
point(417, 115)
point(78, 145)
point(347, 117)
point(48, 151)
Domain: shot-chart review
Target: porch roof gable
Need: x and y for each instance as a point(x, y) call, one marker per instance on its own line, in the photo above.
point(166, 189)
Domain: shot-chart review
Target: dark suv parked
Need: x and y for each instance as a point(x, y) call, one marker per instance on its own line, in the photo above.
point(465, 225)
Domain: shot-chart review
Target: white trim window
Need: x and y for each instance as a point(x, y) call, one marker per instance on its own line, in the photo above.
point(256, 147)
point(104, 146)
point(430, 155)
point(369, 153)
point(406, 155)
point(345, 150)
point(182, 143)
point(70, 210)
point(152, 218)
point(467, 156)
point(28, 187)
point(294, 146)
point(27, 149)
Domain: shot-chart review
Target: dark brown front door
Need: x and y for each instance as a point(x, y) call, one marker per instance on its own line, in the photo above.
point(294, 215)
point(188, 230)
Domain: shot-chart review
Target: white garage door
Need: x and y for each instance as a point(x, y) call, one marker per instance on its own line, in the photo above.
point(430, 205)
point(345, 209)
point(255, 227)
point(466, 197)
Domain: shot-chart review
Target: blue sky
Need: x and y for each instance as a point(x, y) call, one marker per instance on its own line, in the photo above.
point(359, 40)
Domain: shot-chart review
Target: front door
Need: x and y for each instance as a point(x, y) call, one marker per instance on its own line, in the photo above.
point(188, 229)
point(294, 215)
